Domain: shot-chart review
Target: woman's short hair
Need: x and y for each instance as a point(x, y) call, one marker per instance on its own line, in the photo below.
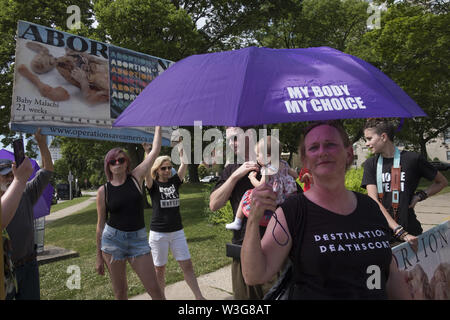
point(332, 123)
point(381, 126)
point(158, 162)
point(111, 155)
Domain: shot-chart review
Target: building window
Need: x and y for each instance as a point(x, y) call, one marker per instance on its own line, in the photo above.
point(448, 155)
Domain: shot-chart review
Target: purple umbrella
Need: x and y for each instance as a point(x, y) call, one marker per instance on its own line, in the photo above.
point(255, 86)
point(42, 206)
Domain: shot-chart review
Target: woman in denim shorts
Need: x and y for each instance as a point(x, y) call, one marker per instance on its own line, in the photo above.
point(166, 229)
point(122, 236)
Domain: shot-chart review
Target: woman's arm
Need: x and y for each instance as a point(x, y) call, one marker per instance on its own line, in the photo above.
point(439, 183)
point(262, 259)
point(183, 167)
point(101, 220)
point(144, 167)
point(148, 177)
point(41, 140)
point(373, 193)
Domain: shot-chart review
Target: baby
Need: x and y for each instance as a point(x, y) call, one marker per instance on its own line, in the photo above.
point(282, 181)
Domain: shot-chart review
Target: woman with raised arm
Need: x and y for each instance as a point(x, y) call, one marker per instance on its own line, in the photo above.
point(166, 229)
point(122, 236)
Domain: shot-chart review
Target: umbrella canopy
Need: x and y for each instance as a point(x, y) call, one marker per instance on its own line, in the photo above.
point(42, 206)
point(254, 86)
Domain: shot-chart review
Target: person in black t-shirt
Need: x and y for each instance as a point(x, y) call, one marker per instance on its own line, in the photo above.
point(232, 185)
point(123, 236)
point(166, 229)
point(343, 251)
point(379, 135)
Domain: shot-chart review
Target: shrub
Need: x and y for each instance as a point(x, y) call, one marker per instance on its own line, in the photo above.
point(353, 180)
point(202, 171)
point(222, 216)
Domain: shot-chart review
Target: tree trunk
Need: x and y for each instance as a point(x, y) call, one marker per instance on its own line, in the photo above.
point(193, 172)
point(135, 156)
point(423, 148)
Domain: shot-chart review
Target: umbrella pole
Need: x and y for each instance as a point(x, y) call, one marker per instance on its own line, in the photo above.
point(2, 271)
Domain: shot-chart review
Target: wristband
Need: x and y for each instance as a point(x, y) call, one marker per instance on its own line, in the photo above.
point(397, 229)
point(421, 194)
point(402, 237)
point(400, 234)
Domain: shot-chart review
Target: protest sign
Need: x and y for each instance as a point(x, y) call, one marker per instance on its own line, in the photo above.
point(74, 86)
point(428, 270)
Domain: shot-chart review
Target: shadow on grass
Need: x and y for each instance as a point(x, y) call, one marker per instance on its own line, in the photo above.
point(200, 239)
point(190, 188)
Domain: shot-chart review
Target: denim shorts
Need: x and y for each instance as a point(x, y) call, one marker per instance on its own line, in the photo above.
point(124, 245)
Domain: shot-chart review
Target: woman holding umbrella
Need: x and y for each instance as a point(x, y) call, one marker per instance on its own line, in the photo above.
point(123, 236)
point(343, 239)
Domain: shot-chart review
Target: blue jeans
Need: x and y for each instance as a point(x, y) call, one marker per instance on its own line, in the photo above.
point(27, 276)
point(123, 245)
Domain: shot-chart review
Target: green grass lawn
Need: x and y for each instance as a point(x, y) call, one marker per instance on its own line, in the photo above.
point(77, 232)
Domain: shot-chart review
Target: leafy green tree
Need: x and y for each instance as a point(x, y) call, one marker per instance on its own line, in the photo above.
point(45, 12)
point(155, 27)
point(412, 49)
point(84, 158)
point(313, 23)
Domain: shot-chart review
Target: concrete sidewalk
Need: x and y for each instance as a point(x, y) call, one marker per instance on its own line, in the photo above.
point(68, 211)
point(433, 211)
point(214, 286)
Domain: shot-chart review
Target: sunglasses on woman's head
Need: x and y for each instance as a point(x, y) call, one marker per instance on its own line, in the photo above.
point(117, 161)
point(166, 168)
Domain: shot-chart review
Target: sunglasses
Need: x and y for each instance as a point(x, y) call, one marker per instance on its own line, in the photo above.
point(117, 161)
point(166, 168)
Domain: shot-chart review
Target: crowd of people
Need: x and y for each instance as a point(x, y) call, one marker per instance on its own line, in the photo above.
point(276, 222)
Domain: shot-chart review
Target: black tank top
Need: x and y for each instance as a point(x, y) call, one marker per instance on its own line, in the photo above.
point(125, 205)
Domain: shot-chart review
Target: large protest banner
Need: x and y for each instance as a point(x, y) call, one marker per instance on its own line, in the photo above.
point(427, 270)
point(74, 86)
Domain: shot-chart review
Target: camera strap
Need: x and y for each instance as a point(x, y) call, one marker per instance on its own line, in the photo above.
point(395, 181)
